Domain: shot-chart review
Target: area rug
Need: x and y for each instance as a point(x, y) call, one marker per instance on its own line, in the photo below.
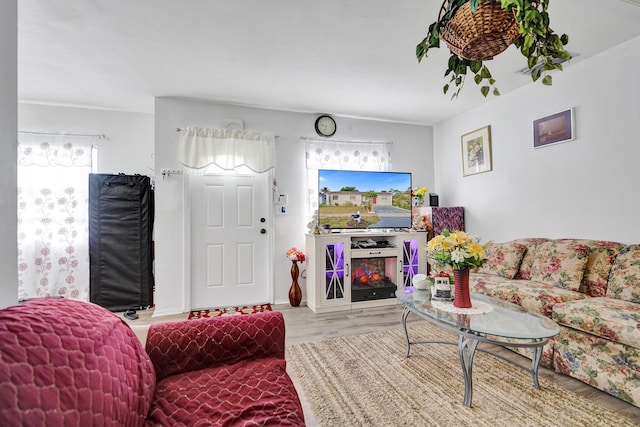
point(229, 311)
point(365, 380)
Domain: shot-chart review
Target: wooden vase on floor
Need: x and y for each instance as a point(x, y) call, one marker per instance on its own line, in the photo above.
point(295, 293)
point(462, 297)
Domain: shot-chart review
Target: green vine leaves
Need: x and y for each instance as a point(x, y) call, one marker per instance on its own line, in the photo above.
point(538, 43)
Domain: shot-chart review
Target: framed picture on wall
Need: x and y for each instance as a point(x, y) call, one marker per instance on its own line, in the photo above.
point(553, 129)
point(476, 151)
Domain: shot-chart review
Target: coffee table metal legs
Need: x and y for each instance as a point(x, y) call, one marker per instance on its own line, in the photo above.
point(467, 345)
point(405, 313)
point(466, 350)
point(535, 364)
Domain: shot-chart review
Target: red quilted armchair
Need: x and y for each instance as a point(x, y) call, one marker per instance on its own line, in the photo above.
point(72, 363)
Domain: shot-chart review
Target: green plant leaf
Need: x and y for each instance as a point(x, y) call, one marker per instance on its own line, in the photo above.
point(453, 61)
point(484, 90)
point(475, 66)
point(421, 50)
point(527, 43)
point(477, 78)
point(532, 15)
point(433, 35)
point(546, 80)
point(535, 74)
point(496, 92)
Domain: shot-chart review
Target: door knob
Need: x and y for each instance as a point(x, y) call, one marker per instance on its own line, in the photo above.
point(262, 219)
point(263, 231)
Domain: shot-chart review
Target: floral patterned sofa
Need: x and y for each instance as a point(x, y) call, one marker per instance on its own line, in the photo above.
point(72, 363)
point(591, 289)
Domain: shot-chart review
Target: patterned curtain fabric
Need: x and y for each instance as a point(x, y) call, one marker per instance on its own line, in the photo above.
point(53, 239)
point(227, 149)
point(341, 155)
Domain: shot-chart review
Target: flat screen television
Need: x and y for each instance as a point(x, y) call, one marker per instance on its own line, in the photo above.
point(363, 199)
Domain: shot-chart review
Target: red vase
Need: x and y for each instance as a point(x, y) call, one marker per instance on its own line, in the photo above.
point(295, 293)
point(462, 298)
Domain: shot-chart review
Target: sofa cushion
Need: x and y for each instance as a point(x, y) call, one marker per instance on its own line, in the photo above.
point(624, 281)
point(531, 243)
point(503, 259)
point(601, 258)
point(598, 269)
point(609, 318)
point(560, 264)
point(256, 392)
point(67, 362)
point(534, 296)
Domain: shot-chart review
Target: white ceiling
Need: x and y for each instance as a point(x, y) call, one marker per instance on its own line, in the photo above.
point(345, 57)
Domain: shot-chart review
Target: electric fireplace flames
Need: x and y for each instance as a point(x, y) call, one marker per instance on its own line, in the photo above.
point(371, 278)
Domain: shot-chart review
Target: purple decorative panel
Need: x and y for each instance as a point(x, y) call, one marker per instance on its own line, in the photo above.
point(450, 218)
point(410, 262)
point(334, 259)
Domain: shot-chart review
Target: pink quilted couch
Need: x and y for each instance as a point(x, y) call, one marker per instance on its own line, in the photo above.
point(72, 363)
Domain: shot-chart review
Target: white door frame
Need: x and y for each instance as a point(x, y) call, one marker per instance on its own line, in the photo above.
point(186, 262)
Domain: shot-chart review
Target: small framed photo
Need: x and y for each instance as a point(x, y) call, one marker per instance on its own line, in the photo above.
point(476, 151)
point(554, 129)
point(441, 288)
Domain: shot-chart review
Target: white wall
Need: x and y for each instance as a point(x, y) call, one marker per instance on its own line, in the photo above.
point(585, 188)
point(128, 144)
point(8, 159)
point(412, 148)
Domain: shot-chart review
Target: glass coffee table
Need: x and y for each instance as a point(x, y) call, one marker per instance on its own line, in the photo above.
point(501, 323)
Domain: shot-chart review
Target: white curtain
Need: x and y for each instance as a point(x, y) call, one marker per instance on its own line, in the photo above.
point(342, 155)
point(53, 236)
point(228, 149)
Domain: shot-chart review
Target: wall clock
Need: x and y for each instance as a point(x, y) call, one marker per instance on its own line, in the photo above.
point(325, 125)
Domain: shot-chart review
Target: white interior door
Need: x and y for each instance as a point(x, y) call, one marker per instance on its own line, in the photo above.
point(230, 247)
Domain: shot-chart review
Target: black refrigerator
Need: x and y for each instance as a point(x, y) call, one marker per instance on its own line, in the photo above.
point(121, 210)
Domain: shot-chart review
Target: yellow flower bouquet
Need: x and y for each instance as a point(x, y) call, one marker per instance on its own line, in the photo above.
point(420, 192)
point(457, 249)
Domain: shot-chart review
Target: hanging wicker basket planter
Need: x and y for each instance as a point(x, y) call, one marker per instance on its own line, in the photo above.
point(480, 35)
point(475, 37)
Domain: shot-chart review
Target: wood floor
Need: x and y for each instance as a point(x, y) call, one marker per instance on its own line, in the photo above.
point(304, 326)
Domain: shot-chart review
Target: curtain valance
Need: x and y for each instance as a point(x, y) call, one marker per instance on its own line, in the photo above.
point(226, 148)
point(355, 155)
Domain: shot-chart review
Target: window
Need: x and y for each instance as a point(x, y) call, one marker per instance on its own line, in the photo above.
point(351, 155)
point(53, 243)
